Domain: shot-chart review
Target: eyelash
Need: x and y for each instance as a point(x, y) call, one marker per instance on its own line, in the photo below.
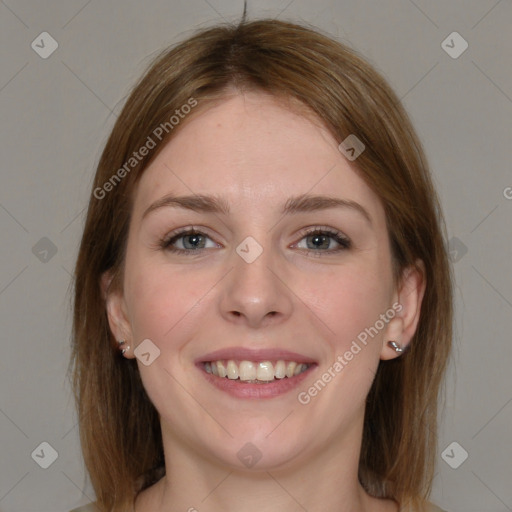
point(337, 236)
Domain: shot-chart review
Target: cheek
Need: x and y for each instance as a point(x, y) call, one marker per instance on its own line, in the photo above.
point(166, 302)
point(159, 299)
point(349, 299)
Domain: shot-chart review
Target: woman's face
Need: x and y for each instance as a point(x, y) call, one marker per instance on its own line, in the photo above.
point(289, 260)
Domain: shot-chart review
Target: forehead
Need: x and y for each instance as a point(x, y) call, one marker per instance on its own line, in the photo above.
point(252, 149)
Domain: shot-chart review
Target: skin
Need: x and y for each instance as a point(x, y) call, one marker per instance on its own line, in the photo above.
point(256, 153)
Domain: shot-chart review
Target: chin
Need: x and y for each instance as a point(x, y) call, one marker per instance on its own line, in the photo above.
point(255, 449)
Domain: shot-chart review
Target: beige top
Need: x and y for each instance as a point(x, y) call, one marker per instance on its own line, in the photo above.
point(91, 508)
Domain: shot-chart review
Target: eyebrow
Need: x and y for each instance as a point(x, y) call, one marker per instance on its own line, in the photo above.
point(215, 204)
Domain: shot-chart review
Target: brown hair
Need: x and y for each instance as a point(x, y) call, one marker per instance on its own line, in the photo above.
point(119, 426)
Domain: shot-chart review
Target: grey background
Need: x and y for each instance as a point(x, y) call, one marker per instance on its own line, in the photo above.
point(57, 113)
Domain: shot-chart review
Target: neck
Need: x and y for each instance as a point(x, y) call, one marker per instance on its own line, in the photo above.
point(323, 481)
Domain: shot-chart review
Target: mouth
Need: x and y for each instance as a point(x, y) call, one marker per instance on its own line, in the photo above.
point(244, 373)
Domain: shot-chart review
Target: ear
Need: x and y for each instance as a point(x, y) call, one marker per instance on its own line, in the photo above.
point(117, 312)
point(407, 305)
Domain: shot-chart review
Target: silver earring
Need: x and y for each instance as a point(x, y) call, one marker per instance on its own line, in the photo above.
point(395, 346)
point(121, 343)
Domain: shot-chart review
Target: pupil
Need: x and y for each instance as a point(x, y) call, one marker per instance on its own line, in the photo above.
point(193, 240)
point(319, 240)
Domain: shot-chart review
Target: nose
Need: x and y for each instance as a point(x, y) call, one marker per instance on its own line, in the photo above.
point(255, 294)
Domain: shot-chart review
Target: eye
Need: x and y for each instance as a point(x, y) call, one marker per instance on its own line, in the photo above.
point(324, 240)
point(187, 241)
point(316, 240)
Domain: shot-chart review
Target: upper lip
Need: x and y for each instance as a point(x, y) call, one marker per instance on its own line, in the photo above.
point(256, 355)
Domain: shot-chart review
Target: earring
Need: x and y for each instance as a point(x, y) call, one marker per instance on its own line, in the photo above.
point(121, 343)
point(395, 346)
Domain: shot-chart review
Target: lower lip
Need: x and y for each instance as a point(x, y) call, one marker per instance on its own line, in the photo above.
point(240, 389)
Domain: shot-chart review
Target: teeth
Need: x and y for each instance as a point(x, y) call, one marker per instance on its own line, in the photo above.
point(247, 370)
point(251, 372)
point(290, 369)
point(280, 370)
point(232, 370)
point(221, 369)
point(265, 371)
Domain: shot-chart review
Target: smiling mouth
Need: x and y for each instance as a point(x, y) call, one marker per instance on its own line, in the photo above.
point(251, 372)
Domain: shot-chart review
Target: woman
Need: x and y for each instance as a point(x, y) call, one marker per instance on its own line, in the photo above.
point(263, 298)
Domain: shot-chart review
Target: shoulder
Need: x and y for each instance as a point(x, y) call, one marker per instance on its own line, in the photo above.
point(434, 508)
point(91, 507)
point(429, 507)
